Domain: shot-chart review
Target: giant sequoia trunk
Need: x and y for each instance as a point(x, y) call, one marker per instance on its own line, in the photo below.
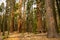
point(39, 16)
point(50, 19)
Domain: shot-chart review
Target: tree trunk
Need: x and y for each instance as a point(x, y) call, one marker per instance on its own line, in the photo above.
point(3, 25)
point(39, 16)
point(24, 17)
point(58, 6)
point(19, 16)
point(0, 23)
point(12, 4)
point(7, 14)
point(50, 19)
point(29, 16)
point(58, 12)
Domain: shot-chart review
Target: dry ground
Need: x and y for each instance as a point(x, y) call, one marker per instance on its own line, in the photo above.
point(29, 36)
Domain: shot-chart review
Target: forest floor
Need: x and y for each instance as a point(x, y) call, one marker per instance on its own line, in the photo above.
point(29, 36)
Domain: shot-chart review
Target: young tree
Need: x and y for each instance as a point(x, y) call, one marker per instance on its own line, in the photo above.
point(50, 19)
point(39, 16)
point(12, 4)
point(58, 5)
point(3, 22)
point(3, 25)
point(19, 16)
point(29, 16)
point(7, 15)
point(24, 16)
point(0, 23)
point(58, 10)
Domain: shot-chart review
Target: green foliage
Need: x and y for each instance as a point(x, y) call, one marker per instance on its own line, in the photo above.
point(0, 9)
point(29, 4)
point(34, 21)
point(16, 6)
point(29, 13)
point(2, 5)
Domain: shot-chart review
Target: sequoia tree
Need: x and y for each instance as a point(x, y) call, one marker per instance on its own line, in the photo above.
point(51, 19)
point(39, 16)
